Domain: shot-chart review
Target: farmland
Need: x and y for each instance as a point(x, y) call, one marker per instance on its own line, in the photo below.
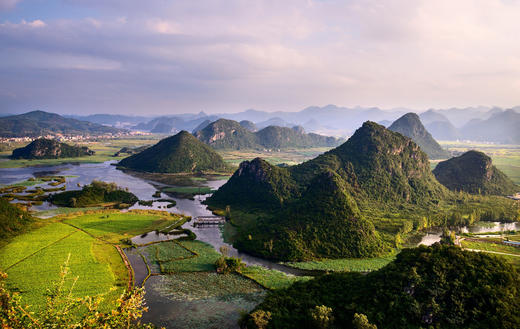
point(32, 260)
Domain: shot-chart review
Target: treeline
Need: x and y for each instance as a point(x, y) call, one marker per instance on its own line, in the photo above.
point(425, 287)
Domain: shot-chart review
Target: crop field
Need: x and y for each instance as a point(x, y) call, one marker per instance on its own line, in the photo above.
point(290, 156)
point(345, 264)
point(112, 226)
point(104, 149)
point(271, 279)
point(33, 260)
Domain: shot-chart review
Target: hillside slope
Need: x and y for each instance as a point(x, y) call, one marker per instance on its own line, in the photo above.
point(474, 172)
point(318, 208)
point(410, 126)
point(425, 287)
point(43, 148)
point(182, 153)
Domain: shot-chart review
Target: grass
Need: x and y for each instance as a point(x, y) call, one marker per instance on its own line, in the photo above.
point(344, 265)
point(271, 279)
point(112, 226)
point(485, 246)
point(32, 260)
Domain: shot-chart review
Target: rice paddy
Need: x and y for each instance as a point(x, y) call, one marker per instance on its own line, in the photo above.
point(33, 260)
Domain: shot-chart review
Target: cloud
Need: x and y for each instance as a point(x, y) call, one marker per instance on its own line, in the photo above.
point(229, 55)
point(8, 4)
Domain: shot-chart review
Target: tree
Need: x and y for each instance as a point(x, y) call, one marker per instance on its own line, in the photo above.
point(361, 322)
point(322, 316)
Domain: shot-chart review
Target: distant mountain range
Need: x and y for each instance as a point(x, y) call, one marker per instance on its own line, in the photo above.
point(229, 134)
point(490, 124)
point(40, 123)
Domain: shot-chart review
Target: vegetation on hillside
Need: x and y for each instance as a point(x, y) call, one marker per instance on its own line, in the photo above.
point(314, 207)
point(43, 148)
point(474, 172)
point(181, 153)
point(410, 126)
point(229, 134)
point(13, 219)
point(96, 194)
point(437, 286)
point(360, 199)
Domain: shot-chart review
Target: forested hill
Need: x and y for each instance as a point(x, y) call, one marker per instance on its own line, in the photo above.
point(410, 125)
point(425, 287)
point(318, 208)
point(474, 172)
point(229, 134)
point(43, 148)
point(181, 153)
point(40, 123)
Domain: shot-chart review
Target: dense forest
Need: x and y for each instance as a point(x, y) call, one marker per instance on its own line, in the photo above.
point(425, 287)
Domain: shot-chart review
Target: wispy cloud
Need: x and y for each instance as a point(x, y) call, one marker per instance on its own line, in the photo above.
point(229, 55)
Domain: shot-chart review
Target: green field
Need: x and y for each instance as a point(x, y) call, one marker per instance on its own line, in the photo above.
point(104, 149)
point(32, 260)
point(514, 252)
point(174, 257)
point(344, 265)
point(271, 279)
point(288, 156)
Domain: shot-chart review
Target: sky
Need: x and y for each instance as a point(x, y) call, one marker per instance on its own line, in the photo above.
point(167, 57)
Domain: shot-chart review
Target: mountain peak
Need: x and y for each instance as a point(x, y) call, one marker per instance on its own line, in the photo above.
point(181, 153)
point(410, 125)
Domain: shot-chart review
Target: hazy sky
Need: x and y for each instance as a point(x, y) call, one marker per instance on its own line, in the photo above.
point(152, 57)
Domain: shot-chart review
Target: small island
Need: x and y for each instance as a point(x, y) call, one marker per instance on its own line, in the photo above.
point(44, 148)
point(97, 194)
